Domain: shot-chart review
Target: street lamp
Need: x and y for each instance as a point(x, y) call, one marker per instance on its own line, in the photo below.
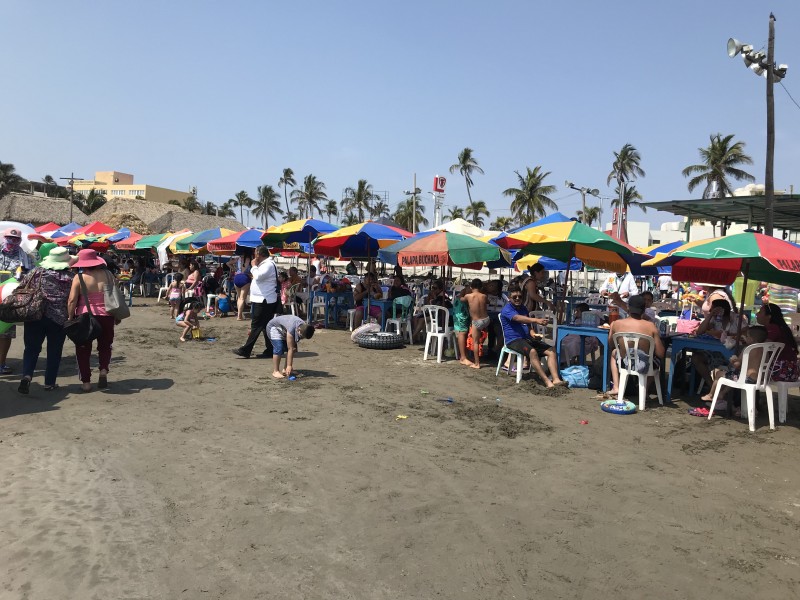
point(583, 190)
point(413, 194)
point(762, 64)
point(72, 179)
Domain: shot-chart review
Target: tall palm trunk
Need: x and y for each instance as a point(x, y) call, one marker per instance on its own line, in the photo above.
point(286, 199)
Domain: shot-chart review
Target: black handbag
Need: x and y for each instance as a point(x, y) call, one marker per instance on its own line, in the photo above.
point(85, 327)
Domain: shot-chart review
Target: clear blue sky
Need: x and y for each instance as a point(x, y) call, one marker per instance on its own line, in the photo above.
point(225, 95)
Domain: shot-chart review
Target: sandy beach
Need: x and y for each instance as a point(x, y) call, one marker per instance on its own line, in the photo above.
point(197, 475)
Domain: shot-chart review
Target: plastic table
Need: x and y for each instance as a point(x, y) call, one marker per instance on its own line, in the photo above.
point(681, 343)
point(328, 296)
point(598, 332)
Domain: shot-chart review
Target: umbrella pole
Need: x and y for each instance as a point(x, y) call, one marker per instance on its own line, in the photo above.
point(745, 272)
point(560, 312)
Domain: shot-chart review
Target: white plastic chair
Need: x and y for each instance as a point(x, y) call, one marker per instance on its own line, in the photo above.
point(519, 356)
point(769, 355)
point(627, 346)
point(783, 396)
point(545, 330)
point(291, 297)
point(403, 319)
point(438, 330)
point(164, 289)
point(318, 307)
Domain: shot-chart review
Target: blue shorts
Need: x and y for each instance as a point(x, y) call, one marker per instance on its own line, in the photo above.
point(278, 347)
point(224, 305)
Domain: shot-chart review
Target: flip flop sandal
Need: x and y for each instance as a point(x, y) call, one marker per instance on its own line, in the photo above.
point(698, 412)
point(6, 370)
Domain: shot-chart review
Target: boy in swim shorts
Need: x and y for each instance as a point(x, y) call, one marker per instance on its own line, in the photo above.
point(479, 314)
point(285, 332)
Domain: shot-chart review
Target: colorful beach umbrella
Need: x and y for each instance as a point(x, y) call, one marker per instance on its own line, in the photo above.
point(720, 260)
point(196, 242)
point(359, 241)
point(94, 228)
point(251, 238)
point(147, 242)
point(441, 248)
point(303, 230)
point(127, 243)
point(551, 264)
point(47, 227)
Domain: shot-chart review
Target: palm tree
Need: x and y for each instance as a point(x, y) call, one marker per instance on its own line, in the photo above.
point(290, 216)
point(287, 180)
point(226, 210)
point(9, 180)
point(358, 200)
point(267, 205)
point(242, 200)
point(455, 212)
point(309, 196)
point(175, 202)
point(467, 165)
point(721, 160)
point(350, 219)
point(502, 223)
point(632, 197)
point(93, 201)
point(209, 208)
point(404, 215)
point(331, 209)
point(626, 166)
point(531, 198)
point(379, 209)
point(48, 181)
point(592, 214)
point(474, 211)
point(79, 200)
point(191, 204)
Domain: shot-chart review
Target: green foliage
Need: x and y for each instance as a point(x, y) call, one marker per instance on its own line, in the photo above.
point(267, 205)
point(241, 200)
point(532, 198)
point(592, 215)
point(358, 200)
point(720, 160)
point(467, 165)
point(404, 215)
point(287, 180)
point(308, 197)
point(9, 180)
point(475, 211)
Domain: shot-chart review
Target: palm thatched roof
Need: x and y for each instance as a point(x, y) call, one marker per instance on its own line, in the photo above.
point(38, 210)
point(177, 220)
point(146, 210)
point(132, 222)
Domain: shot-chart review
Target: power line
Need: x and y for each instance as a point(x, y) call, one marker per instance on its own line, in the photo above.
point(790, 96)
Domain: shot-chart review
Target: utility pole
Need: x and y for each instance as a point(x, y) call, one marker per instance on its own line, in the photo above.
point(769, 183)
point(72, 179)
point(414, 207)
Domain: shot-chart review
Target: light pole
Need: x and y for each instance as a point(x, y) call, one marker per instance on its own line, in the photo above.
point(413, 193)
point(72, 179)
point(762, 64)
point(583, 190)
point(438, 199)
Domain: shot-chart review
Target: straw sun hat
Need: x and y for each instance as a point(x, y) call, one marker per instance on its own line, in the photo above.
point(57, 259)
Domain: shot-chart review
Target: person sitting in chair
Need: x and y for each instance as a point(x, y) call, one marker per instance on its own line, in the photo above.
point(634, 323)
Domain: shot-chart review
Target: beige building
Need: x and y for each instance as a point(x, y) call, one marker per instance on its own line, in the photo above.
point(116, 185)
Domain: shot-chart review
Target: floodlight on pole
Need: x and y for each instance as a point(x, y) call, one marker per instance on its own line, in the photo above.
point(764, 65)
point(583, 190)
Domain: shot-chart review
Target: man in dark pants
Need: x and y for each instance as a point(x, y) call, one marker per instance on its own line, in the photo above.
point(263, 302)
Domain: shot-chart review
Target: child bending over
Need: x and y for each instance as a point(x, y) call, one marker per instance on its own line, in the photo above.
point(285, 332)
point(188, 319)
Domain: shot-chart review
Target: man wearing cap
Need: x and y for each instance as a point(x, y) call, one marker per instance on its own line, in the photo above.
point(13, 262)
point(635, 324)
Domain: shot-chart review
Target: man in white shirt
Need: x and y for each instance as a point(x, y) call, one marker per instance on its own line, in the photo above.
point(665, 285)
point(619, 286)
point(263, 302)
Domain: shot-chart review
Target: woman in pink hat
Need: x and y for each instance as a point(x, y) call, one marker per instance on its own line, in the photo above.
point(96, 277)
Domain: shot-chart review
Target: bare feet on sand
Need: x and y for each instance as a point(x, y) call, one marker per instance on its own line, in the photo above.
point(474, 366)
point(278, 375)
point(465, 362)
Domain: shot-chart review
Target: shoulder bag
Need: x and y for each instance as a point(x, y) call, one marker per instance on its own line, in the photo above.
point(25, 303)
point(115, 300)
point(278, 303)
point(85, 327)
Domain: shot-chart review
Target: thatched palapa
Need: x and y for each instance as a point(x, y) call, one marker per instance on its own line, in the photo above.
point(146, 210)
point(38, 210)
point(132, 222)
point(178, 220)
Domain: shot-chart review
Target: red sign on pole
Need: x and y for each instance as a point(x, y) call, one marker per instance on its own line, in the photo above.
point(439, 183)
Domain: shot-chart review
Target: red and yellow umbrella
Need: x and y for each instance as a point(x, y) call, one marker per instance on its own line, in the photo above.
point(359, 241)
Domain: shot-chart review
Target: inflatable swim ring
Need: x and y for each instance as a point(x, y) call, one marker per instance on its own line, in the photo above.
point(625, 407)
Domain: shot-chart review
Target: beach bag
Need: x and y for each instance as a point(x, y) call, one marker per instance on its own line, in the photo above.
point(576, 376)
point(687, 326)
point(115, 301)
point(25, 303)
point(85, 327)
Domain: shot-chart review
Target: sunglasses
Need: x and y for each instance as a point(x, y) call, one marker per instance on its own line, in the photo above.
point(516, 296)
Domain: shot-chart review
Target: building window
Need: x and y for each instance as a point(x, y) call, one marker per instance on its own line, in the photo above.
point(117, 192)
point(135, 192)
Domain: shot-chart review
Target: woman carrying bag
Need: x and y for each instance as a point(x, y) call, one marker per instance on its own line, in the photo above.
point(92, 270)
point(55, 278)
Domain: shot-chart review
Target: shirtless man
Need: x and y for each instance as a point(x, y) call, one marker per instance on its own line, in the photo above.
point(480, 319)
point(634, 324)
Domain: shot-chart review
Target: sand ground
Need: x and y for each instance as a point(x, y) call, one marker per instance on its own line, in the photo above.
point(196, 475)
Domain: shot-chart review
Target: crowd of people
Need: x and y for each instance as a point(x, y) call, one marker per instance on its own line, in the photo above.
point(484, 315)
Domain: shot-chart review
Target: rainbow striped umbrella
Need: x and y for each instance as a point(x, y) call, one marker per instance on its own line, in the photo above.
point(442, 248)
point(251, 238)
point(359, 241)
point(303, 230)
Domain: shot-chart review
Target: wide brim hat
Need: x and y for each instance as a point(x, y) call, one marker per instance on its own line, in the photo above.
point(88, 258)
point(57, 259)
point(45, 249)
